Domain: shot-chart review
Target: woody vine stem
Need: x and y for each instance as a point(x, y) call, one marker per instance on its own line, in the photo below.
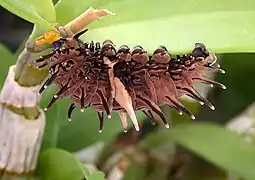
point(22, 122)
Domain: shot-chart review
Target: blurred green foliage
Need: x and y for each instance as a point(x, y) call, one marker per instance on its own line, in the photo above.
point(36, 12)
point(224, 27)
point(202, 138)
point(239, 80)
point(7, 59)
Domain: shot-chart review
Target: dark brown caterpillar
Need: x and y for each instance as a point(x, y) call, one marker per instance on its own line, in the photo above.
point(125, 80)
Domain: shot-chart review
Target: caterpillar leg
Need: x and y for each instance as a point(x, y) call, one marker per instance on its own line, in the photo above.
point(123, 119)
point(209, 81)
point(42, 65)
point(149, 114)
point(101, 121)
point(82, 100)
point(214, 69)
point(47, 83)
point(105, 104)
point(56, 97)
point(181, 107)
point(195, 95)
point(52, 101)
point(70, 111)
point(175, 108)
point(106, 92)
point(167, 101)
point(43, 58)
point(154, 108)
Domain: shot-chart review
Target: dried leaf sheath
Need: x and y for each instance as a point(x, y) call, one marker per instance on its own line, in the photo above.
point(126, 80)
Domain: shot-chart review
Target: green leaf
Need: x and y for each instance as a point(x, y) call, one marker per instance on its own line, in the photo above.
point(97, 175)
point(74, 9)
point(50, 138)
point(175, 24)
point(159, 170)
point(134, 171)
point(60, 164)
point(41, 13)
point(7, 59)
point(215, 143)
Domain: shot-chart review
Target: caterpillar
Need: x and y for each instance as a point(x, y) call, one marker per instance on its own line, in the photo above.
point(125, 80)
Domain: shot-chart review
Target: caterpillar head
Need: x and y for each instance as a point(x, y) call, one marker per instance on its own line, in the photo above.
point(124, 53)
point(108, 50)
point(140, 55)
point(200, 51)
point(202, 54)
point(161, 55)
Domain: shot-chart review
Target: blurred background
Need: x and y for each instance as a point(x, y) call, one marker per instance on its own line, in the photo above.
point(112, 151)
